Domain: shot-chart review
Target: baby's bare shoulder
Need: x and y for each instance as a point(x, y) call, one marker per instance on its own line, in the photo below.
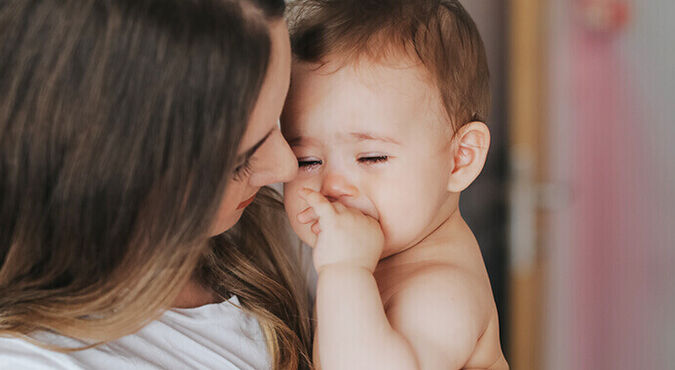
point(442, 308)
point(439, 285)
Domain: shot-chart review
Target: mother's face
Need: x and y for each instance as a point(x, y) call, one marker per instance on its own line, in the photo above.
point(264, 155)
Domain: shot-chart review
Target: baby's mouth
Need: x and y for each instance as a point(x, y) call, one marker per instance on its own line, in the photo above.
point(370, 213)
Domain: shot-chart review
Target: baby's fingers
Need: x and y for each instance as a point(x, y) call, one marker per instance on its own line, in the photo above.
point(307, 216)
point(316, 228)
point(322, 207)
point(339, 207)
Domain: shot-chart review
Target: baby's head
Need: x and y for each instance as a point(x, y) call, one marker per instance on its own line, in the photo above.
point(385, 112)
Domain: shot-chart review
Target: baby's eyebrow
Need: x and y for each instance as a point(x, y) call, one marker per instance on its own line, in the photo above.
point(363, 136)
point(358, 136)
point(298, 140)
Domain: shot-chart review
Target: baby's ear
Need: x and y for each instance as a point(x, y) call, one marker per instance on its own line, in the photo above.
point(469, 150)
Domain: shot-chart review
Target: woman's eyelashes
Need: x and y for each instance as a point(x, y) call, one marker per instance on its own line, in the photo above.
point(243, 170)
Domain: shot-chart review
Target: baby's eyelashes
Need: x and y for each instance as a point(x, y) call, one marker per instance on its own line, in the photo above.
point(372, 159)
point(309, 163)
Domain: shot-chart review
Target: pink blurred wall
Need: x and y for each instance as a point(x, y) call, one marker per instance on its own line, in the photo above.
point(611, 249)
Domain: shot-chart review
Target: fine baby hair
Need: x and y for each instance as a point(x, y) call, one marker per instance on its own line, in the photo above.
point(438, 33)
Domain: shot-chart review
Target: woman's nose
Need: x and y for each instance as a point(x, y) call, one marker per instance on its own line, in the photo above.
point(336, 186)
point(275, 163)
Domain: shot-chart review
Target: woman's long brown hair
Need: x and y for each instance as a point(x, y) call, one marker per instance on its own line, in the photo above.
point(119, 126)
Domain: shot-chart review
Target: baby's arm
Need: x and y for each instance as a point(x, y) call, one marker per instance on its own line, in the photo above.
point(353, 331)
point(444, 313)
point(434, 321)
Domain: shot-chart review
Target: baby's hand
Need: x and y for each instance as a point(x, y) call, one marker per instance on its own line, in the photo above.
point(345, 236)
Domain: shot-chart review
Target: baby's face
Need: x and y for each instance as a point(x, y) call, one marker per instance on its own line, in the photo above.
point(374, 138)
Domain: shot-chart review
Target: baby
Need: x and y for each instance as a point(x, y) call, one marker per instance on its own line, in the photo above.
point(385, 115)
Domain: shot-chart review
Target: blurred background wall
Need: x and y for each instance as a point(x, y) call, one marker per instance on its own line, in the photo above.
point(484, 203)
point(610, 297)
point(575, 211)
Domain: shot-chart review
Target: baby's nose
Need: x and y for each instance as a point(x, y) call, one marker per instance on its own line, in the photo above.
point(335, 187)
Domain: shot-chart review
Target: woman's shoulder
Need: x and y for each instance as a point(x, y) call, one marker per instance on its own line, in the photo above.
point(212, 336)
point(17, 353)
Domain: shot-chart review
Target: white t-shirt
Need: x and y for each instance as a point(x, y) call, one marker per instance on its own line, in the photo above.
point(214, 336)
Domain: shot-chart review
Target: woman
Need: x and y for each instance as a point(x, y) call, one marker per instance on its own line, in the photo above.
point(134, 135)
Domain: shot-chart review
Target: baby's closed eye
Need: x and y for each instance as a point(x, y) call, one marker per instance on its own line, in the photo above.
point(372, 159)
point(309, 162)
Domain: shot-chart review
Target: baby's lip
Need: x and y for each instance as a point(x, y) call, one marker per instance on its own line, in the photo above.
point(369, 213)
point(376, 217)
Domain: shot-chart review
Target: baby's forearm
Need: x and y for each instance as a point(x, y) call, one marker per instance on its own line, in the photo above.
point(353, 330)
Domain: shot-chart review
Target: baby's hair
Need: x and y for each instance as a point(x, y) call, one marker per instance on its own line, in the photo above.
point(438, 33)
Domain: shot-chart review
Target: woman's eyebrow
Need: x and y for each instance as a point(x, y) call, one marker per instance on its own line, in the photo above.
point(249, 153)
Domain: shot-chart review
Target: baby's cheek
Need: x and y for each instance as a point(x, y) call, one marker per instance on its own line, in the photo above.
point(390, 229)
point(291, 200)
point(294, 205)
point(399, 223)
point(303, 231)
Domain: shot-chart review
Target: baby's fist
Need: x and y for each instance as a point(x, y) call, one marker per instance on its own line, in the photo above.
point(345, 235)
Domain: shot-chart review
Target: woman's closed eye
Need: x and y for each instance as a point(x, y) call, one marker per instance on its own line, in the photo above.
point(243, 170)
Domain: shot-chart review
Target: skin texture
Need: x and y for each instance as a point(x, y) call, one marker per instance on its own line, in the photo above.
point(271, 161)
point(402, 283)
point(336, 111)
